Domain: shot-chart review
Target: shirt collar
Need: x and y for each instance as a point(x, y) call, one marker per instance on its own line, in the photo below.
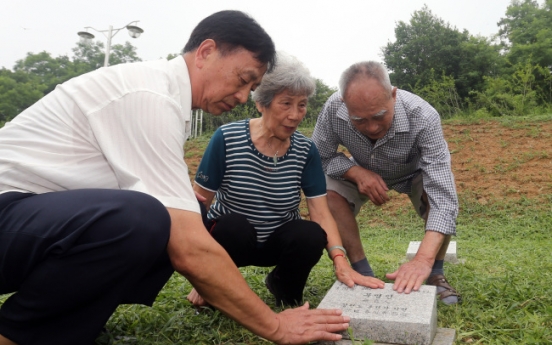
point(400, 121)
point(179, 70)
point(342, 111)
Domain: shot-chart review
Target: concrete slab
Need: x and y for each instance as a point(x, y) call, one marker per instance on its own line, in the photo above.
point(386, 316)
point(443, 336)
point(450, 256)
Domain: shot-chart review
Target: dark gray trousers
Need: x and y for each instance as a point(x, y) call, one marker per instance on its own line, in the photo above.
point(294, 248)
point(72, 257)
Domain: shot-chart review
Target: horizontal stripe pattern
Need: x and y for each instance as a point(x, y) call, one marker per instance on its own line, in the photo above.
point(267, 194)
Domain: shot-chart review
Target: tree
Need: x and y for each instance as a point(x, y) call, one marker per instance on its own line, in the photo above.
point(91, 56)
point(18, 91)
point(172, 56)
point(526, 32)
point(47, 70)
point(427, 47)
point(316, 102)
point(88, 56)
point(481, 58)
point(240, 112)
point(123, 53)
point(426, 43)
point(442, 95)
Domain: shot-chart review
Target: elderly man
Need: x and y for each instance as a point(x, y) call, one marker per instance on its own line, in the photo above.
point(96, 208)
point(396, 141)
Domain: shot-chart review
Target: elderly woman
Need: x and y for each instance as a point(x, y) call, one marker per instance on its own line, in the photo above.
point(257, 169)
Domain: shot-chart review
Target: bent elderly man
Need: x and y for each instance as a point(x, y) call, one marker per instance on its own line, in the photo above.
point(96, 207)
point(396, 142)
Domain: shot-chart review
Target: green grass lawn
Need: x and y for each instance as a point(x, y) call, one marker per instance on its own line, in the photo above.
point(505, 280)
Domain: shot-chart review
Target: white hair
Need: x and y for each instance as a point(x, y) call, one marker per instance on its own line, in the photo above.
point(288, 74)
point(368, 69)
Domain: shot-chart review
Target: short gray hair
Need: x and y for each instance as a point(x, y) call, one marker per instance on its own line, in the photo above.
point(288, 74)
point(368, 69)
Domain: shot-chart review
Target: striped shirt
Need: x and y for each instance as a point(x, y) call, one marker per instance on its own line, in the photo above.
point(414, 144)
point(250, 183)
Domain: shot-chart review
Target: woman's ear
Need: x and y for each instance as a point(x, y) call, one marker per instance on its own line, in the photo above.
point(260, 108)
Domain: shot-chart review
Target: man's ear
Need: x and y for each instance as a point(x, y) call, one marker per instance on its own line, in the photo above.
point(204, 52)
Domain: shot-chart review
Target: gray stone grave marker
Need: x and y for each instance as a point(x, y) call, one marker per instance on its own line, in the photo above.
point(450, 256)
point(386, 316)
point(443, 336)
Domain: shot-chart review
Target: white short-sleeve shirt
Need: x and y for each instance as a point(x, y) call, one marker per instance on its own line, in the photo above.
point(121, 127)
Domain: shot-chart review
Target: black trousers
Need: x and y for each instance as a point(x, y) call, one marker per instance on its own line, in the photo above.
point(72, 257)
point(294, 248)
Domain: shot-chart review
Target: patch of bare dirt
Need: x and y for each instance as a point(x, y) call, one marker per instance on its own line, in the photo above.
point(490, 160)
point(497, 161)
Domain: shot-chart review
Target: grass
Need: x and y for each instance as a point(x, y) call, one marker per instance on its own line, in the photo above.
point(505, 278)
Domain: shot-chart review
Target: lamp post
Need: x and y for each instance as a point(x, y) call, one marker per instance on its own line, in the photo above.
point(133, 30)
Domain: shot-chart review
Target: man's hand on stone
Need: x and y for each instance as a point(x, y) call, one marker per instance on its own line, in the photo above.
point(373, 186)
point(410, 276)
point(301, 325)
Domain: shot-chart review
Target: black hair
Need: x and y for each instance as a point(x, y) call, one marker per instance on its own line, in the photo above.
point(231, 30)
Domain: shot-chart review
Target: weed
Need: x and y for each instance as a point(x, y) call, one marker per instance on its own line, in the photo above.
point(534, 132)
point(356, 341)
point(480, 168)
point(467, 134)
point(499, 168)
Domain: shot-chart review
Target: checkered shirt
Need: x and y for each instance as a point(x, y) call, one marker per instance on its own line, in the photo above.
point(414, 144)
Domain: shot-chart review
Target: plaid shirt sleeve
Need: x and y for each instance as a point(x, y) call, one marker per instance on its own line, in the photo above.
point(438, 179)
point(327, 140)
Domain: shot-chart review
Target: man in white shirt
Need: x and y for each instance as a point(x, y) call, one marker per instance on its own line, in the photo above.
point(95, 205)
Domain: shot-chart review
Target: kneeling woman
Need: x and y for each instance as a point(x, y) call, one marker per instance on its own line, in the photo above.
point(257, 169)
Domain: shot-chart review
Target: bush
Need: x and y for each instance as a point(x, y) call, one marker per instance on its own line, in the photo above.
point(518, 94)
point(442, 95)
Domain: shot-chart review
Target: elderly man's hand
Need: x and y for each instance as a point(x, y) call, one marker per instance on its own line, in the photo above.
point(301, 325)
point(372, 185)
point(348, 276)
point(410, 276)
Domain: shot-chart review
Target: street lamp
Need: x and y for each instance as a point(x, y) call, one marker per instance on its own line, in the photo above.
point(133, 30)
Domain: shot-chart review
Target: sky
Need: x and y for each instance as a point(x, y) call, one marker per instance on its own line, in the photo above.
point(327, 36)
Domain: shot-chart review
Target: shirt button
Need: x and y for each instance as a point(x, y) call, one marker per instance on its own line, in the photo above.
point(372, 156)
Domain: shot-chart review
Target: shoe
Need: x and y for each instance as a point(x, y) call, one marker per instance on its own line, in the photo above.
point(444, 290)
point(281, 299)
